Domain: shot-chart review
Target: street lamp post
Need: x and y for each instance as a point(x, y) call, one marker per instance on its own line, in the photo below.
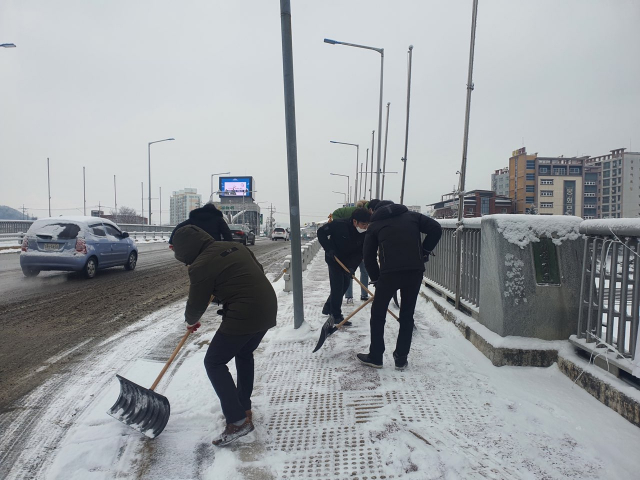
point(381, 52)
point(348, 188)
point(149, 151)
point(8, 45)
point(355, 188)
point(345, 196)
point(213, 175)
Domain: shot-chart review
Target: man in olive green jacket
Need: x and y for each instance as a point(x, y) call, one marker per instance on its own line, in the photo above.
point(229, 272)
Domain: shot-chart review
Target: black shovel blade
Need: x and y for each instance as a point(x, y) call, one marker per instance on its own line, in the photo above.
point(326, 330)
point(142, 409)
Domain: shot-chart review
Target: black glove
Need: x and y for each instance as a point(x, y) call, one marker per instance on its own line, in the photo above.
point(425, 256)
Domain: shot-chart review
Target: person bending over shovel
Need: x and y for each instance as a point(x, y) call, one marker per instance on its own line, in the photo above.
point(343, 239)
point(394, 232)
point(230, 272)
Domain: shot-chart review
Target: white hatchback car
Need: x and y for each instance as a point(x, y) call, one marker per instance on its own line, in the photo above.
point(279, 233)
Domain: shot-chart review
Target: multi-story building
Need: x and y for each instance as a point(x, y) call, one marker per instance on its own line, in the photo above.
point(619, 186)
point(500, 182)
point(560, 186)
point(591, 204)
point(182, 202)
point(477, 203)
point(522, 180)
point(414, 208)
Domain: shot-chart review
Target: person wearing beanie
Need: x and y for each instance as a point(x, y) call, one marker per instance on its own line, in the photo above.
point(345, 212)
point(209, 219)
point(344, 239)
point(395, 233)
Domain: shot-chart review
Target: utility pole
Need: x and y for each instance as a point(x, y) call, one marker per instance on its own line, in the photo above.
point(84, 192)
point(406, 131)
point(142, 197)
point(49, 185)
point(292, 162)
point(160, 207)
point(115, 197)
point(23, 211)
point(373, 135)
point(384, 165)
point(463, 169)
point(364, 191)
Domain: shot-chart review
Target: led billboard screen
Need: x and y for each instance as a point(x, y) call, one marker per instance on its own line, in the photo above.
point(236, 186)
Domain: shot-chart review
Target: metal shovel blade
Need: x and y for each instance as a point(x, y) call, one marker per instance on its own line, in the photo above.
point(142, 409)
point(326, 330)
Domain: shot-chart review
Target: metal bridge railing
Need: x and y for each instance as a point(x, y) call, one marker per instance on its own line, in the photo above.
point(440, 271)
point(610, 289)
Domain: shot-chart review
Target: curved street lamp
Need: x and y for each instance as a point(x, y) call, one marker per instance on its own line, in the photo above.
point(149, 150)
point(355, 188)
point(348, 188)
point(381, 52)
point(8, 45)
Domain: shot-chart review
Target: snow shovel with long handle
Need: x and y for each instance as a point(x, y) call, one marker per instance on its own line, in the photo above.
point(360, 283)
point(141, 408)
point(328, 329)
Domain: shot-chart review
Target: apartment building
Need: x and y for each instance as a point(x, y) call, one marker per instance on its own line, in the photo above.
point(560, 186)
point(500, 182)
point(182, 202)
point(618, 184)
point(477, 203)
point(522, 180)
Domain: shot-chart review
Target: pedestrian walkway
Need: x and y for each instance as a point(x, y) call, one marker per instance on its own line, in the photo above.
point(450, 415)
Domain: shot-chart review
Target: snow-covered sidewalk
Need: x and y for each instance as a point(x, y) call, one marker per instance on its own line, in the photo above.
point(450, 415)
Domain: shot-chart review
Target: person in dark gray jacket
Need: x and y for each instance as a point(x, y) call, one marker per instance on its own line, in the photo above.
point(229, 272)
point(394, 238)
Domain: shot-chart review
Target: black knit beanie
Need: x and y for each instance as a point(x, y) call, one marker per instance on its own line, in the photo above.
point(361, 215)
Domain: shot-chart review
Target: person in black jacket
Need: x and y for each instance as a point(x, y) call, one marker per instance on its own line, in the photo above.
point(394, 237)
point(343, 239)
point(209, 219)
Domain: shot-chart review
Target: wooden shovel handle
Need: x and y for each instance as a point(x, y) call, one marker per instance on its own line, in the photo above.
point(360, 283)
point(173, 355)
point(354, 312)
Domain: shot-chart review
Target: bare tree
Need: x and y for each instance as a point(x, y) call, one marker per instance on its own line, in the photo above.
point(127, 215)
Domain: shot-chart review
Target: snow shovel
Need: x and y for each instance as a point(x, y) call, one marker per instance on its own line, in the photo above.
point(360, 283)
point(143, 409)
point(328, 329)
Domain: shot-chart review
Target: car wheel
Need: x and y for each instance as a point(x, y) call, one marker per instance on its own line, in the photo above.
point(244, 241)
point(254, 241)
point(30, 272)
point(131, 261)
point(90, 268)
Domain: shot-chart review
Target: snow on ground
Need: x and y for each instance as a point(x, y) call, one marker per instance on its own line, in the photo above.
point(450, 415)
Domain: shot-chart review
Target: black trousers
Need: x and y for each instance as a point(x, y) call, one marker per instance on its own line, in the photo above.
point(234, 400)
point(339, 281)
point(409, 285)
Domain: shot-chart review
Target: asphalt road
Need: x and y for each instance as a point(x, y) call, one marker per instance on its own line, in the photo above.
point(62, 314)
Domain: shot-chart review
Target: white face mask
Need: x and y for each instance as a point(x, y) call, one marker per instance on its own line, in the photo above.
point(361, 230)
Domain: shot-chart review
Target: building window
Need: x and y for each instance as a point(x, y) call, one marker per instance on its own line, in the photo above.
point(607, 165)
point(531, 164)
point(560, 171)
point(605, 183)
point(530, 176)
point(605, 208)
point(546, 205)
point(504, 210)
point(484, 206)
point(605, 199)
point(606, 174)
point(546, 193)
point(575, 170)
point(546, 181)
point(530, 188)
point(543, 170)
point(605, 191)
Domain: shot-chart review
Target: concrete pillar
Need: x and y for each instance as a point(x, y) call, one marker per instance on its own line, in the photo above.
point(288, 285)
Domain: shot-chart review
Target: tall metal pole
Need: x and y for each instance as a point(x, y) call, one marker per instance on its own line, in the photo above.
point(142, 201)
point(160, 223)
point(384, 166)
point(84, 192)
point(360, 187)
point(115, 197)
point(406, 130)
point(355, 187)
point(292, 162)
point(379, 125)
point(371, 176)
point(365, 174)
point(149, 222)
point(49, 185)
point(463, 169)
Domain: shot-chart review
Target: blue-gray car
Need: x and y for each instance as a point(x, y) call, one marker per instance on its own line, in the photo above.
point(76, 244)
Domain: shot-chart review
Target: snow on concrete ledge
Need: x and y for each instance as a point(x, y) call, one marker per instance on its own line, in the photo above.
point(524, 229)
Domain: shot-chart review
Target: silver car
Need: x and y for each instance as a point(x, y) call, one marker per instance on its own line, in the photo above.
point(76, 244)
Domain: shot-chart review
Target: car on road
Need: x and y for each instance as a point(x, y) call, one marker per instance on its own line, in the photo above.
point(76, 244)
point(279, 233)
point(243, 234)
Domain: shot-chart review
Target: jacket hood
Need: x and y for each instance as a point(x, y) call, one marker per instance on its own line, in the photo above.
point(388, 211)
point(206, 212)
point(188, 242)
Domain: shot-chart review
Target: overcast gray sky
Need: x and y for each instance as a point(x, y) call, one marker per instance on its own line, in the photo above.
point(92, 82)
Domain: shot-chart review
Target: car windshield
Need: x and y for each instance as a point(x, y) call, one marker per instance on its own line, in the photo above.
point(236, 227)
point(55, 229)
point(279, 230)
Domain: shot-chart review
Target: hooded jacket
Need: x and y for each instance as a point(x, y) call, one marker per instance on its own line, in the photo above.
point(394, 233)
point(230, 272)
point(209, 219)
point(340, 238)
